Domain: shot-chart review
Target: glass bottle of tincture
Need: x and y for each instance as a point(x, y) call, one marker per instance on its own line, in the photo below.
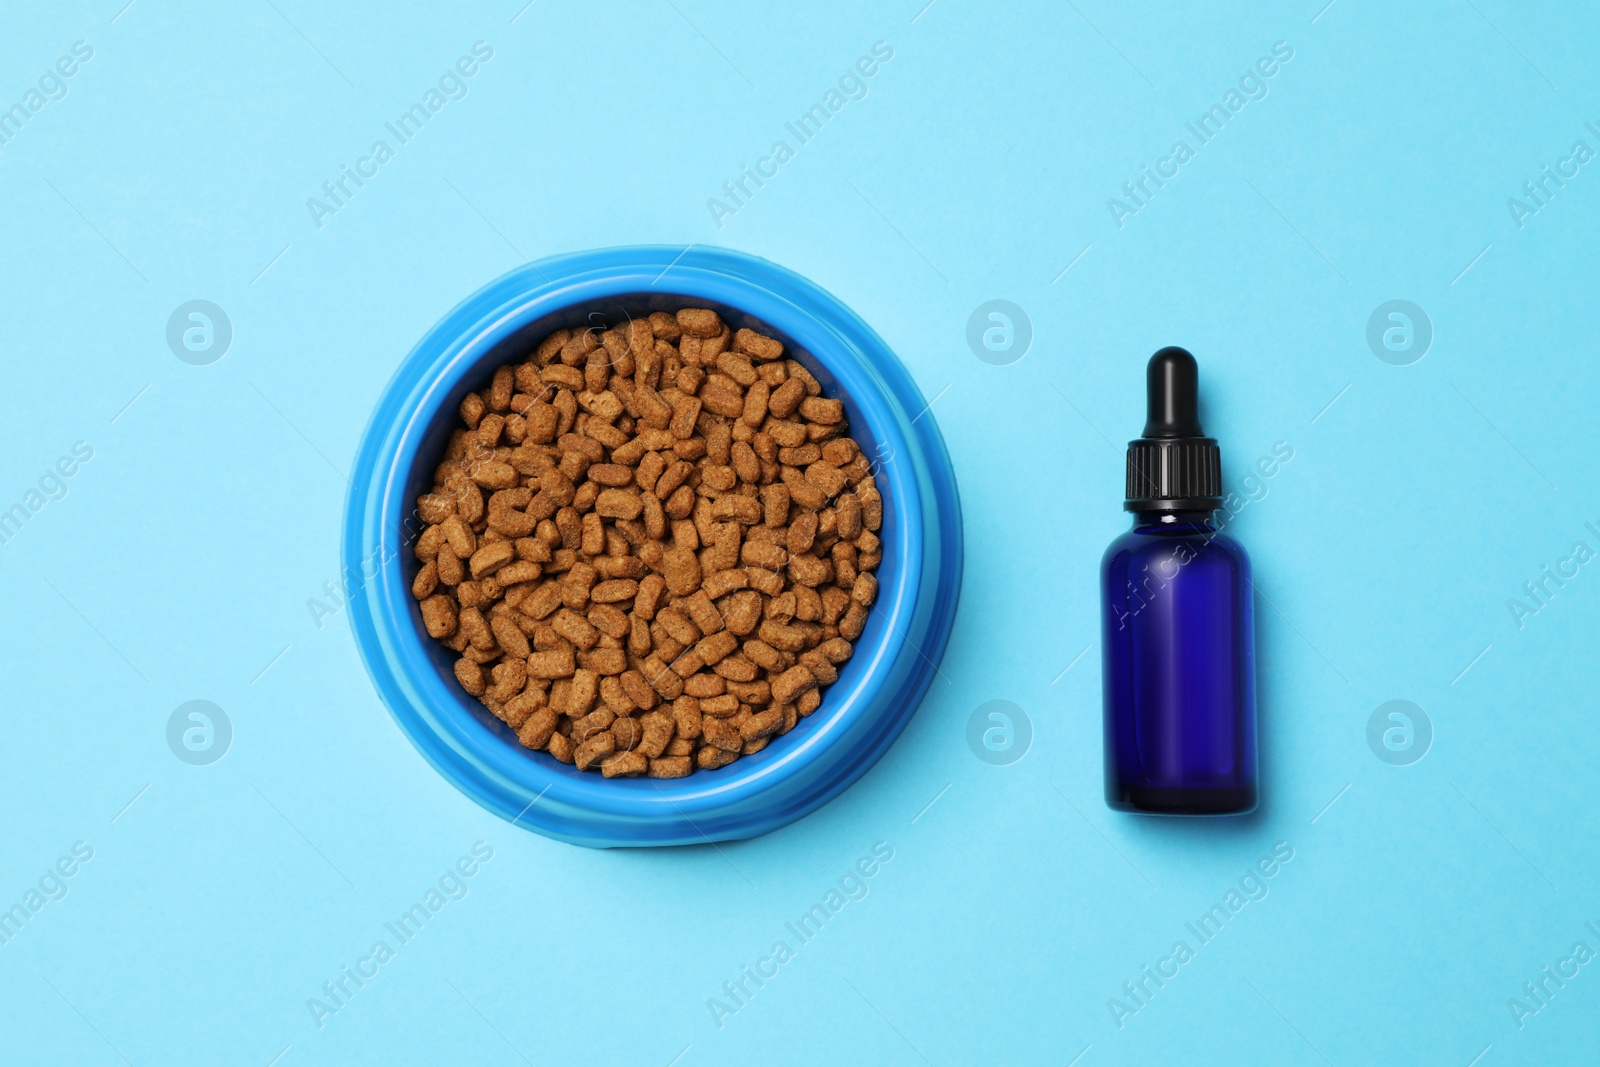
point(1178, 635)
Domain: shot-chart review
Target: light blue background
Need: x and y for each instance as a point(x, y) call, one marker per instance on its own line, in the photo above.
point(180, 563)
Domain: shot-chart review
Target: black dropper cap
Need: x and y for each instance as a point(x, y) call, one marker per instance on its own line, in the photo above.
point(1174, 466)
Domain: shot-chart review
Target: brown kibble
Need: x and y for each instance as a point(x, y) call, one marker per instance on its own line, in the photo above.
point(561, 747)
point(460, 536)
point(699, 322)
point(472, 409)
point(720, 583)
point(736, 669)
point(428, 545)
point(434, 508)
point(575, 628)
point(681, 570)
point(535, 732)
point(871, 507)
point(791, 683)
point(604, 661)
point(757, 346)
point(782, 636)
point(662, 678)
point(656, 732)
point(775, 504)
point(743, 612)
point(593, 750)
point(847, 516)
point(809, 570)
point(615, 697)
point(520, 707)
point(624, 765)
point(628, 733)
point(687, 717)
point(786, 398)
point(762, 724)
point(638, 689)
point(426, 581)
point(817, 409)
point(723, 734)
point(710, 757)
point(589, 724)
point(821, 668)
point(470, 675)
point(491, 557)
point(650, 547)
point(510, 638)
point(652, 587)
point(837, 649)
point(476, 629)
point(763, 554)
point(439, 616)
point(614, 591)
point(704, 684)
point(583, 688)
point(854, 621)
point(557, 663)
point(671, 767)
point(542, 601)
point(618, 504)
point(447, 565)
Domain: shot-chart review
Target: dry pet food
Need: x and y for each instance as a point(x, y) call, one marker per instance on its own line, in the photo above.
point(651, 546)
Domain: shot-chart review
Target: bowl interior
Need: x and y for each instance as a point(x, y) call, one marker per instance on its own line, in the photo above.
point(867, 424)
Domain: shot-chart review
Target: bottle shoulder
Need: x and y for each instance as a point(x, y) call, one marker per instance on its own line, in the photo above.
point(1189, 542)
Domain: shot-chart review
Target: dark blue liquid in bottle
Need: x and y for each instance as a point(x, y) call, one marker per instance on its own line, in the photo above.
point(1177, 627)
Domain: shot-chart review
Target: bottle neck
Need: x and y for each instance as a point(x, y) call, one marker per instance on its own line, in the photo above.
point(1199, 521)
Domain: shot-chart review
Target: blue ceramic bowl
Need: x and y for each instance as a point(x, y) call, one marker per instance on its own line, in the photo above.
point(878, 690)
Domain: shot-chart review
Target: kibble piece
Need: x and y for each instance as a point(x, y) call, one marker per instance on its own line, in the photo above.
point(491, 557)
point(624, 765)
point(618, 504)
point(639, 691)
point(681, 570)
point(522, 706)
point(439, 616)
point(786, 398)
point(557, 663)
point(710, 757)
point(470, 675)
point(853, 622)
point(671, 767)
point(593, 750)
point(757, 346)
point(575, 628)
point(628, 732)
point(722, 734)
point(791, 683)
point(510, 638)
point(699, 322)
point(560, 746)
point(762, 724)
point(703, 684)
point(535, 732)
point(657, 730)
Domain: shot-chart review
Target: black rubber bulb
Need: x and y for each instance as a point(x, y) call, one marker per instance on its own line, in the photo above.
point(1173, 385)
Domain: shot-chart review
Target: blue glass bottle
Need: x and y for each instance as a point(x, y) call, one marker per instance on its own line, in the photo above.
point(1177, 629)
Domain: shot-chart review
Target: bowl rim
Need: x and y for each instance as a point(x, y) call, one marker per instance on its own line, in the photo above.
point(452, 730)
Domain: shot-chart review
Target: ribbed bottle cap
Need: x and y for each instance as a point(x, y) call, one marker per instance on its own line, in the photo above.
point(1174, 466)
